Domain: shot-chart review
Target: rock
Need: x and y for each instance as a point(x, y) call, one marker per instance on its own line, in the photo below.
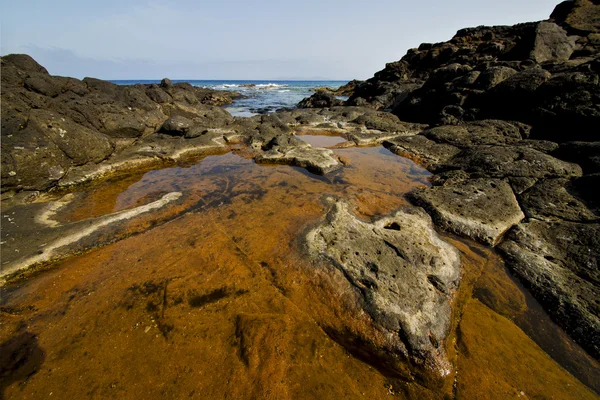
point(511, 161)
point(481, 209)
point(158, 95)
point(177, 126)
point(31, 161)
point(549, 200)
point(578, 17)
point(566, 106)
point(586, 154)
point(348, 88)
point(558, 261)
point(551, 43)
point(79, 122)
point(320, 100)
point(290, 150)
point(24, 63)
point(384, 122)
point(493, 76)
point(422, 150)
point(513, 98)
point(166, 83)
point(485, 132)
point(80, 144)
point(405, 274)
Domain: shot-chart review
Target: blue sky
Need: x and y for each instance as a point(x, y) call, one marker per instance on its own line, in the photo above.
point(236, 39)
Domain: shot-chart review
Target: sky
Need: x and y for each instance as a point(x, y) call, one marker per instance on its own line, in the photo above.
point(237, 39)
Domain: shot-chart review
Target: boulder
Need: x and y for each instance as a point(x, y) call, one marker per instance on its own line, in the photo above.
point(480, 209)
point(320, 100)
point(578, 17)
point(485, 132)
point(551, 43)
point(405, 276)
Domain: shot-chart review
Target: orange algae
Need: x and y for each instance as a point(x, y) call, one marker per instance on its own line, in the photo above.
point(220, 302)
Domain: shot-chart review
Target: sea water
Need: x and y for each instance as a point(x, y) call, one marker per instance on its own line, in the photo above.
point(260, 97)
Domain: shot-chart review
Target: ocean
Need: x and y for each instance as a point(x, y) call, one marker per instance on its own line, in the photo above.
point(259, 96)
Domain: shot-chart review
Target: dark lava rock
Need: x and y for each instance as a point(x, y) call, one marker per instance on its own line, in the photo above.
point(549, 200)
point(511, 161)
point(320, 100)
point(177, 125)
point(558, 261)
point(579, 17)
point(422, 150)
point(166, 83)
point(51, 123)
point(406, 276)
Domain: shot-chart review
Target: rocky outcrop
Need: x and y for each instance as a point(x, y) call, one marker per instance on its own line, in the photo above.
point(544, 74)
point(320, 99)
point(405, 274)
point(51, 124)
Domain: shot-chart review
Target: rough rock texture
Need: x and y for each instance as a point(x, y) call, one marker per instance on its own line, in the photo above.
point(51, 123)
point(422, 150)
point(482, 209)
point(405, 273)
point(542, 73)
point(293, 151)
point(559, 263)
point(511, 161)
point(320, 99)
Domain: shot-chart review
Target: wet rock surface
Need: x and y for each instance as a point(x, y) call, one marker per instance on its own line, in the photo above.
point(406, 276)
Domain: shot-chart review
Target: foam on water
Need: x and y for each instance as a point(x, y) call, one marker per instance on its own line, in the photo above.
point(259, 96)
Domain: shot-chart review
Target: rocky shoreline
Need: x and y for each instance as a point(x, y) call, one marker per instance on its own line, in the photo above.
point(504, 117)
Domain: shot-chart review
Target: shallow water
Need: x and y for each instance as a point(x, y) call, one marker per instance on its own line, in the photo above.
point(221, 301)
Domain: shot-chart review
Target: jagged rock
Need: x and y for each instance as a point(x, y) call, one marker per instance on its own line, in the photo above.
point(405, 274)
point(558, 261)
point(481, 209)
point(320, 100)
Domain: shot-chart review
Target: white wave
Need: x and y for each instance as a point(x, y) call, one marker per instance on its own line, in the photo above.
point(270, 85)
point(283, 91)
